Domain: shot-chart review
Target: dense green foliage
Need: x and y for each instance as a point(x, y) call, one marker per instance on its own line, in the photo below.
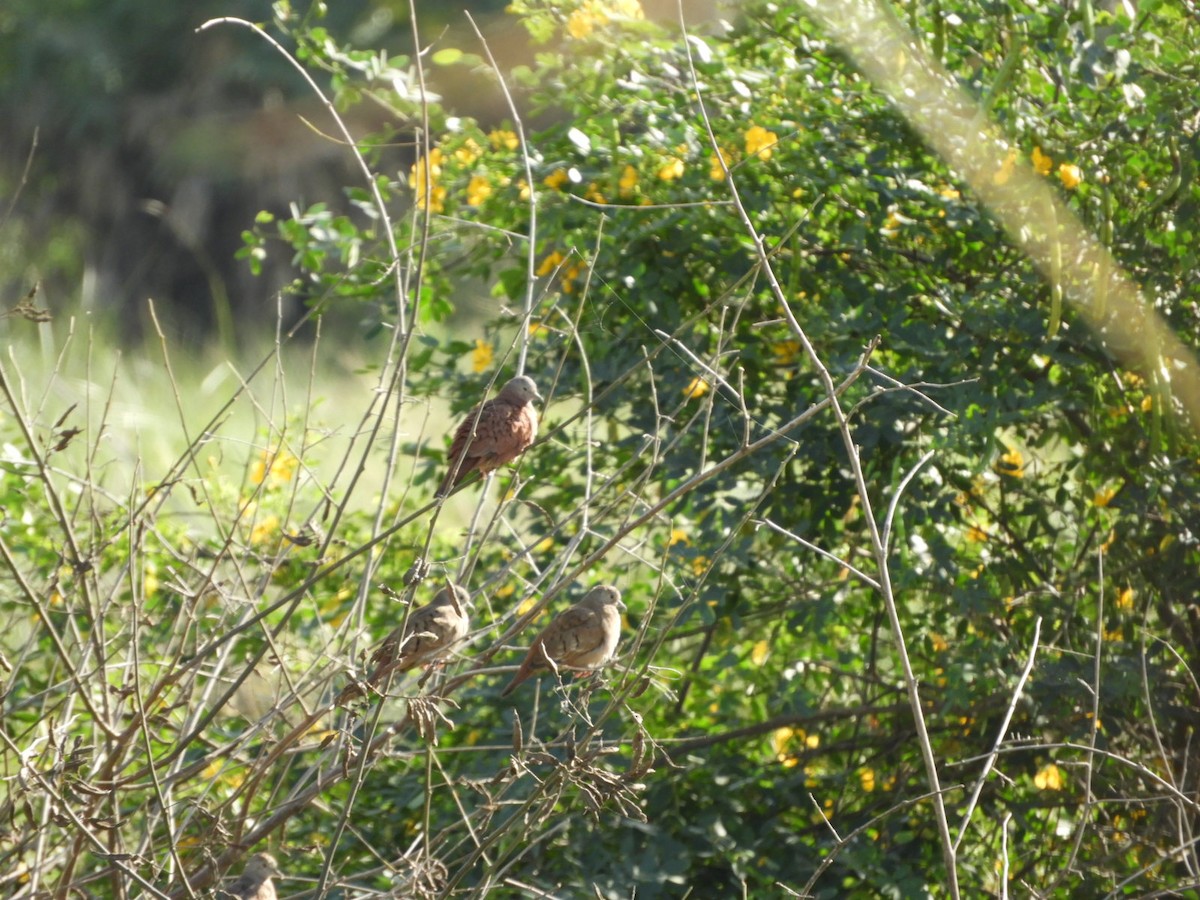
point(757, 732)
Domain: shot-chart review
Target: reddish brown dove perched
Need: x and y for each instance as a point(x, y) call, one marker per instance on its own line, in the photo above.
point(428, 635)
point(255, 881)
point(581, 638)
point(506, 426)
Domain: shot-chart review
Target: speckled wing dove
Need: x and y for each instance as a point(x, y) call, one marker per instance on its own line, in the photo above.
point(428, 635)
point(506, 426)
point(255, 881)
point(582, 638)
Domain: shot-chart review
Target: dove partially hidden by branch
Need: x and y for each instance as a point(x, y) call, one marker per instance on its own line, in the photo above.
point(494, 433)
point(255, 881)
point(580, 639)
point(426, 637)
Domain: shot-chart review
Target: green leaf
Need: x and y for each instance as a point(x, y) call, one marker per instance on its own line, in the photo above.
point(447, 57)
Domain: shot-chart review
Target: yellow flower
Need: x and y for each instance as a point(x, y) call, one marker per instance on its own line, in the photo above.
point(716, 172)
point(699, 565)
point(478, 190)
point(416, 180)
point(950, 193)
point(1147, 403)
point(150, 579)
point(1125, 599)
point(523, 189)
point(1070, 175)
point(468, 152)
point(526, 605)
point(697, 387)
point(759, 142)
point(629, 181)
point(1041, 162)
point(1005, 171)
point(264, 530)
point(481, 356)
point(593, 193)
point(277, 465)
point(568, 278)
point(780, 739)
point(556, 179)
point(1104, 497)
point(977, 535)
point(501, 139)
point(759, 654)
point(938, 642)
point(550, 264)
point(671, 169)
point(416, 174)
point(1049, 778)
point(678, 536)
point(437, 199)
point(581, 22)
point(867, 777)
point(537, 329)
point(598, 13)
point(1011, 464)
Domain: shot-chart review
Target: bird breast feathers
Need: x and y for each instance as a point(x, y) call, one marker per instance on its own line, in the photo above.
point(580, 638)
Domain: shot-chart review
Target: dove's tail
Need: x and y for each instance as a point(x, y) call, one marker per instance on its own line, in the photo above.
point(522, 674)
point(448, 484)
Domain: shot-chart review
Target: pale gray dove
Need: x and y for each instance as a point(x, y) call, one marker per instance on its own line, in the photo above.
point(507, 425)
point(580, 639)
point(428, 635)
point(255, 881)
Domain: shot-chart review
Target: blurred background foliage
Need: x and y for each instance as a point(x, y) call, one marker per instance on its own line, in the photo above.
point(1060, 498)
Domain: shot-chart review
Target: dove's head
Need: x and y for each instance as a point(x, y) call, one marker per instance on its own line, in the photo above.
point(604, 595)
point(520, 390)
point(462, 596)
point(261, 866)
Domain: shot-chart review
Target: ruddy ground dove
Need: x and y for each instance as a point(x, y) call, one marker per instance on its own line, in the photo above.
point(427, 636)
point(494, 433)
point(581, 639)
point(255, 881)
